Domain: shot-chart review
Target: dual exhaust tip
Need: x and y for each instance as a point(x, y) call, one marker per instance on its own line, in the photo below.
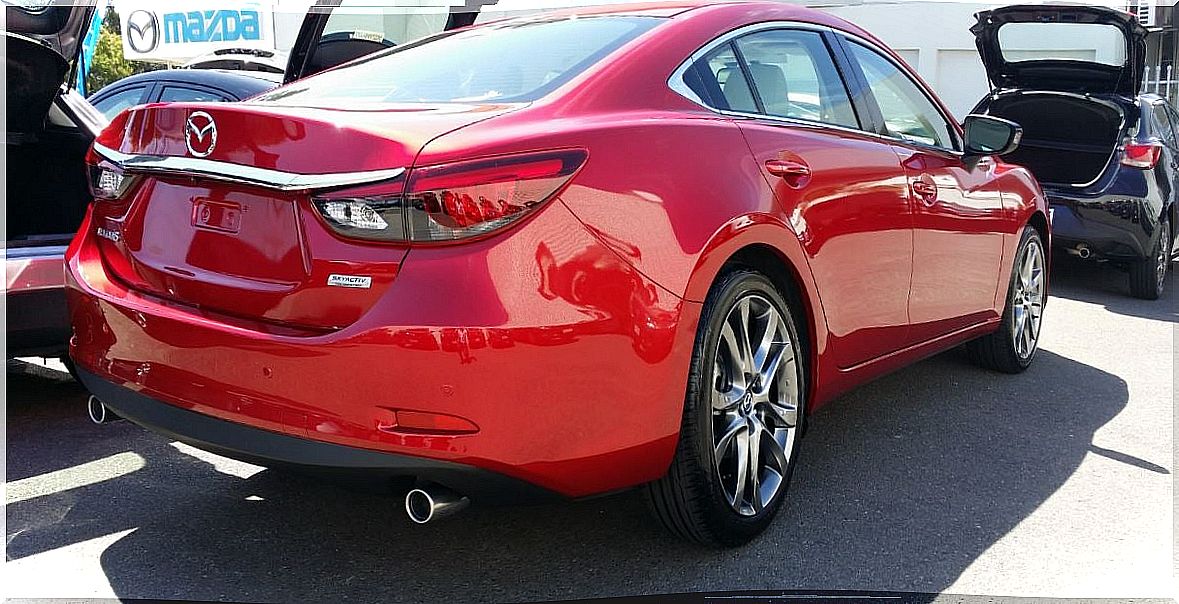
point(422, 504)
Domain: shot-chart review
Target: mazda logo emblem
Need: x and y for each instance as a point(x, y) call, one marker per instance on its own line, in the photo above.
point(143, 31)
point(200, 134)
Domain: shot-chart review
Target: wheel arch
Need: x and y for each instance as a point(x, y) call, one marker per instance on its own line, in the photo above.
point(771, 248)
point(1039, 222)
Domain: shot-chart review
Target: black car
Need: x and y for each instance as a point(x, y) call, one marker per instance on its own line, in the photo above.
point(1105, 154)
point(182, 85)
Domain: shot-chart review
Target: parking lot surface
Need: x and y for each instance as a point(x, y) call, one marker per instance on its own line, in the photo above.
point(942, 477)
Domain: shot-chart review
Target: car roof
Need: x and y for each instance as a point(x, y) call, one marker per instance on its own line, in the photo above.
point(238, 82)
point(780, 9)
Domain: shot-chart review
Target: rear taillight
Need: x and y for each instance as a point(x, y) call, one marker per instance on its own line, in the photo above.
point(1142, 155)
point(453, 201)
point(107, 181)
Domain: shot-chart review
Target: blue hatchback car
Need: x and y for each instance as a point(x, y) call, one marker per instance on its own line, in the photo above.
point(1105, 154)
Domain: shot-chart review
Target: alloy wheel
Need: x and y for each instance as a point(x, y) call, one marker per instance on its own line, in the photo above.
point(1028, 303)
point(755, 404)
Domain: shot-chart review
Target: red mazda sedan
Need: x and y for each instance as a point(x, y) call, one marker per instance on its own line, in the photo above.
point(555, 256)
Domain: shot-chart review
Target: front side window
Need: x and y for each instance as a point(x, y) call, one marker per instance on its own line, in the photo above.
point(795, 76)
point(512, 62)
point(908, 113)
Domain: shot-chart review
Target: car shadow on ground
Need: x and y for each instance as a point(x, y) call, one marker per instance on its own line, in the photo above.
point(1108, 286)
point(901, 485)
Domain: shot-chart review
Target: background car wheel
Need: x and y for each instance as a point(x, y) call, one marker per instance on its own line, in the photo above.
point(1149, 275)
point(742, 417)
point(1012, 348)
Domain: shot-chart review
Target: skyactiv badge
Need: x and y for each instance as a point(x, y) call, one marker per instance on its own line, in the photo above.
point(353, 281)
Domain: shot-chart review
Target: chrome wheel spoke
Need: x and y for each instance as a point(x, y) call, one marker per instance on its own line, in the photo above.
point(784, 414)
point(767, 375)
point(727, 400)
point(742, 459)
point(768, 337)
point(778, 452)
point(743, 333)
point(734, 353)
point(755, 434)
point(1025, 273)
point(729, 438)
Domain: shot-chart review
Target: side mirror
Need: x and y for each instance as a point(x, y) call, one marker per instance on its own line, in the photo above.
point(988, 135)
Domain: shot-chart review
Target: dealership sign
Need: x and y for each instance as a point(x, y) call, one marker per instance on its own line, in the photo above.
point(151, 33)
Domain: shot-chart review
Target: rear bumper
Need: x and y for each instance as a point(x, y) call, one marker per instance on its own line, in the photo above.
point(265, 448)
point(1113, 227)
point(38, 323)
point(572, 370)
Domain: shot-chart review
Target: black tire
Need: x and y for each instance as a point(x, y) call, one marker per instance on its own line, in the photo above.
point(690, 500)
point(1145, 282)
point(998, 350)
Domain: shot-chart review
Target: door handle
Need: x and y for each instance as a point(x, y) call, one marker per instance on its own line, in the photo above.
point(925, 189)
point(795, 173)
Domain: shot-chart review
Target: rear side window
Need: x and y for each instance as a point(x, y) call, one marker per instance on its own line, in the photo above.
point(512, 62)
point(718, 78)
point(795, 76)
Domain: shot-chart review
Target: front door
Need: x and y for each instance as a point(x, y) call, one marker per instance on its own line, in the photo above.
point(958, 214)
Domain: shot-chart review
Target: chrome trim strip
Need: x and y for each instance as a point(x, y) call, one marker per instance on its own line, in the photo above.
point(237, 173)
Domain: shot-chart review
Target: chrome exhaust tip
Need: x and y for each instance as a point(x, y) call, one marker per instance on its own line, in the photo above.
point(98, 412)
point(433, 502)
point(1082, 251)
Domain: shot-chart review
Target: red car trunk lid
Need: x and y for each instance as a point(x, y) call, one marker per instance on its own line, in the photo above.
point(220, 218)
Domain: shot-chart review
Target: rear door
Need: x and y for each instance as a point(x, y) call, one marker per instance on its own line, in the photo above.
point(958, 214)
point(337, 31)
point(842, 188)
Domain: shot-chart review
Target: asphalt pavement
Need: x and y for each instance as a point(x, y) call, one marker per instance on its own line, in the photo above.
point(942, 477)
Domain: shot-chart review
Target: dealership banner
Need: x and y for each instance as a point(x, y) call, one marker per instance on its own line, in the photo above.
point(157, 31)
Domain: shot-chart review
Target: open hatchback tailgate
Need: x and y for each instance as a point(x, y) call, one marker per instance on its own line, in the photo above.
point(1062, 47)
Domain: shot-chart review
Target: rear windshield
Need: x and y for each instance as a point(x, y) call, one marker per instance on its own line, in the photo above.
point(1088, 42)
point(511, 62)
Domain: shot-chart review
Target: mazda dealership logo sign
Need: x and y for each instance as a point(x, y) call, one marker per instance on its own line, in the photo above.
point(143, 31)
point(200, 134)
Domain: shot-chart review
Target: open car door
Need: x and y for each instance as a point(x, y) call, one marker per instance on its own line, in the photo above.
point(337, 31)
